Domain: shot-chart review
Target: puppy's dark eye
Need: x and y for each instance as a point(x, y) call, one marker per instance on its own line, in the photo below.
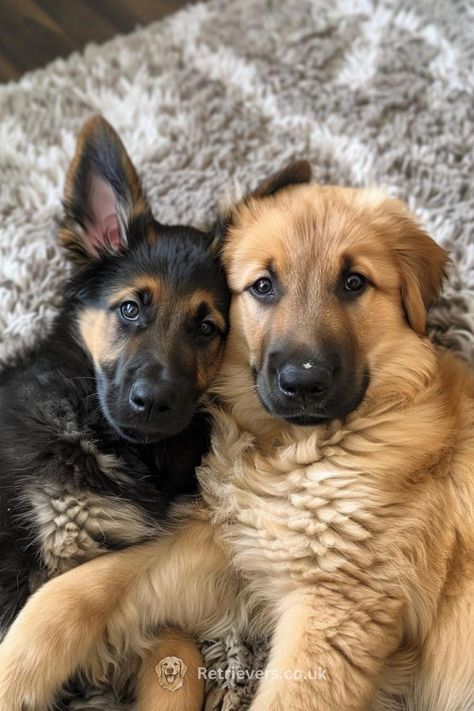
point(207, 329)
point(263, 287)
point(354, 282)
point(130, 310)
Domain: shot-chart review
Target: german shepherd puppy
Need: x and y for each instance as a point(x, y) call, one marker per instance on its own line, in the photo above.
point(337, 502)
point(98, 425)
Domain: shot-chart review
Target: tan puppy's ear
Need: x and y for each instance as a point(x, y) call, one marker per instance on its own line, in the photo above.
point(182, 668)
point(422, 264)
point(295, 173)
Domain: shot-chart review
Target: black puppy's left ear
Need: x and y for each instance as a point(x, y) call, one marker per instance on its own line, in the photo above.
point(102, 194)
point(295, 173)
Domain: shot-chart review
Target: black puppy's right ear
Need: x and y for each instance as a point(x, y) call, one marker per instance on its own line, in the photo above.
point(295, 173)
point(102, 194)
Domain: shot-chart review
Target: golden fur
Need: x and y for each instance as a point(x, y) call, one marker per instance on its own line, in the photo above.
point(349, 544)
point(185, 690)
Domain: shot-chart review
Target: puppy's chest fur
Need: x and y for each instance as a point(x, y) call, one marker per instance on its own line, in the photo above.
point(291, 515)
point(71, 487)
point(76, 518)
point(73, 526)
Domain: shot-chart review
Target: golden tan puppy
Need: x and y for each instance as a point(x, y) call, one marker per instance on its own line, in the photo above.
point(337, 507)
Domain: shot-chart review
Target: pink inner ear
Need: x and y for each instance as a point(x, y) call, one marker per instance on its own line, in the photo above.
point(103, 231)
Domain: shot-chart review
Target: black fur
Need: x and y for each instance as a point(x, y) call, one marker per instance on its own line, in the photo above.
point(58, 443)
point(49, 407)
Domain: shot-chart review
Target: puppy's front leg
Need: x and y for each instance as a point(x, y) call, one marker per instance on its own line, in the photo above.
point(327, 651)
point(104, 609)
point(53, 635)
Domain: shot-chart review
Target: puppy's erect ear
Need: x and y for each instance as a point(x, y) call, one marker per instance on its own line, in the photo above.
point(295, 173)
point(422, 264)
point(102, 194)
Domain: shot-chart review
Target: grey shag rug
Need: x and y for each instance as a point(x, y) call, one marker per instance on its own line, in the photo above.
point(227, 91)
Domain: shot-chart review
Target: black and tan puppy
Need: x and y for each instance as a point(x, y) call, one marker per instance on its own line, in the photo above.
point(98, 426)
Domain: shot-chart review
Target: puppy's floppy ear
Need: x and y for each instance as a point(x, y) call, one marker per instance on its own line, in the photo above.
point(294, 173)
point(422, 265)
point(182, 668)
point(102, 194)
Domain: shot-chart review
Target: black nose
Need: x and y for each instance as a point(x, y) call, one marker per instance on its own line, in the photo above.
point(148, 397)
point(305, 381)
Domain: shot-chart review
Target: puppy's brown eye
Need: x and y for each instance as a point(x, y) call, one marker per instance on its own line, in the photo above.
point(207, 329)
point(130, 310)
point(263, 287)
point(354, 282)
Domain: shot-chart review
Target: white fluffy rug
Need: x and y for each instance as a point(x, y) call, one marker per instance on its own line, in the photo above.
point(370, 91)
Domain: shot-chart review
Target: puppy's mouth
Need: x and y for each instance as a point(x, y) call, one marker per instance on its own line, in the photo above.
point(137, 436)
point(305, 420)
point(148, 435)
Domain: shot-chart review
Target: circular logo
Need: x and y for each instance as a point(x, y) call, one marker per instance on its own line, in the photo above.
point(171, 672)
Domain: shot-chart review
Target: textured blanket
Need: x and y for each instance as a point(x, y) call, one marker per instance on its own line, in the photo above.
point(223, 92)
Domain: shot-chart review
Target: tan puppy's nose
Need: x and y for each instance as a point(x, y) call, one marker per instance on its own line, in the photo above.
point(306, 381)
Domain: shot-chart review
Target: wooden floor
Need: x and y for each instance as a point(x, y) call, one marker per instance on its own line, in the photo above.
point(33, 32)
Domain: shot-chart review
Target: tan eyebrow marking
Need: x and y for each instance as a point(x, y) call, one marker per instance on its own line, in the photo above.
point(147, 283)
point(200, 297)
